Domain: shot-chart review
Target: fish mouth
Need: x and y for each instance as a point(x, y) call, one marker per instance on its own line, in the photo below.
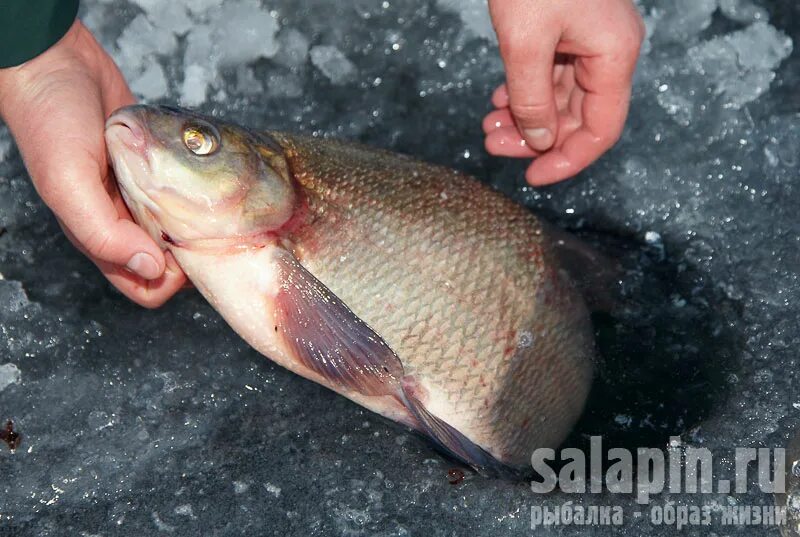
point(126, 128)
point(126, 141)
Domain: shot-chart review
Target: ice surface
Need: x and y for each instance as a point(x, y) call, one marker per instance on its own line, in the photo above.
point(138, 422)
point(332, 63)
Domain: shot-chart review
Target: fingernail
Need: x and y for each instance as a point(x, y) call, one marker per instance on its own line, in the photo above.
point(539, 139)
point(144, 265)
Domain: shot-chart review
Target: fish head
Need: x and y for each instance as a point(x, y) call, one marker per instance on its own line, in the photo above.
point(193, 180)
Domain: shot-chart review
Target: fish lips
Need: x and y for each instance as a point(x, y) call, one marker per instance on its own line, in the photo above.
point(126, 140)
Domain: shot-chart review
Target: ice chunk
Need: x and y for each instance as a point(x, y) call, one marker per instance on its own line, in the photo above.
point(293, 48)
point(151, 84)
point(760, 46)
point(680, 20)
point(239, 34)
point(474, 14)
point(139, 41)
point(333, 64)
point(199, 45)
point(185, 510)
point(194, 89)
point(742, 10)
point(200, 7)
point(9, 374)
point(173, 17)
point(741, 64)
point(169, 16)
point(244, 32)
point(12, 296)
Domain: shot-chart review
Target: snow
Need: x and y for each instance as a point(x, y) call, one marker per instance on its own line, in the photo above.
point(147, 421)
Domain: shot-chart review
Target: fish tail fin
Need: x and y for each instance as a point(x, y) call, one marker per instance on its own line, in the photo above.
point(454, 443)
point(595, 275)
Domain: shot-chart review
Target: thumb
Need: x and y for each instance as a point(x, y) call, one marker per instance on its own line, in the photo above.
point(101, 229)
point(120, 242)
point(529, 79)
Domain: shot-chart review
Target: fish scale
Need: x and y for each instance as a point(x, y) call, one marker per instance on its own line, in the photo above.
point(488, 249)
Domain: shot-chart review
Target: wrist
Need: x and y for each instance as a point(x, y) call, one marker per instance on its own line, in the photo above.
point(73, 50)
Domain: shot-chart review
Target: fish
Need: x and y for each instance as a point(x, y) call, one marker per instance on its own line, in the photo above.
point(412, 289)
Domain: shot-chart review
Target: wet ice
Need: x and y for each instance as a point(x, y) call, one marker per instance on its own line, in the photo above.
point(146, 421)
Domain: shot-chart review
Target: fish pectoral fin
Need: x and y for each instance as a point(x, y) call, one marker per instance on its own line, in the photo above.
point(328, 338)
point(456, 444)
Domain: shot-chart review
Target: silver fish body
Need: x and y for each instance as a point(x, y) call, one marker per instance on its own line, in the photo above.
point(414, 290)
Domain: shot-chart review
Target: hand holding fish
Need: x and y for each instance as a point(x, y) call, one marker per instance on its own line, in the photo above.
point(569, 69)
point(55, 106)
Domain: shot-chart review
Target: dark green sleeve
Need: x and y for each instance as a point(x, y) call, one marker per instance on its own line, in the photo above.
point(29, 27)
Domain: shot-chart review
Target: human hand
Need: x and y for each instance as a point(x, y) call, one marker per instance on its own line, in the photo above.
point(55, 106)
point(569, 69)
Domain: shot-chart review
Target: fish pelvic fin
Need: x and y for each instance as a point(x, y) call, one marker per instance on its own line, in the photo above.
point(329, 339)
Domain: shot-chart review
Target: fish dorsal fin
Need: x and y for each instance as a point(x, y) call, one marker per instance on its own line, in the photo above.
point(328, 338)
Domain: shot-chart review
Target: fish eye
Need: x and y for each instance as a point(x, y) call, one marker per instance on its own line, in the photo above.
point(200, 139)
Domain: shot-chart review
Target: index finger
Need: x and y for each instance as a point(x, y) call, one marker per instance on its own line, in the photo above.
point(603, 121)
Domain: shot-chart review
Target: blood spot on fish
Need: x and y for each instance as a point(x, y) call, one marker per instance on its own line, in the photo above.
point(455, 476)
point(10, 437)
point(525, 423)
point(166, 238)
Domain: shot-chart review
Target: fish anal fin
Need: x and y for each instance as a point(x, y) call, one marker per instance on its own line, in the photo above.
point(328, 338)
point(450, 440)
